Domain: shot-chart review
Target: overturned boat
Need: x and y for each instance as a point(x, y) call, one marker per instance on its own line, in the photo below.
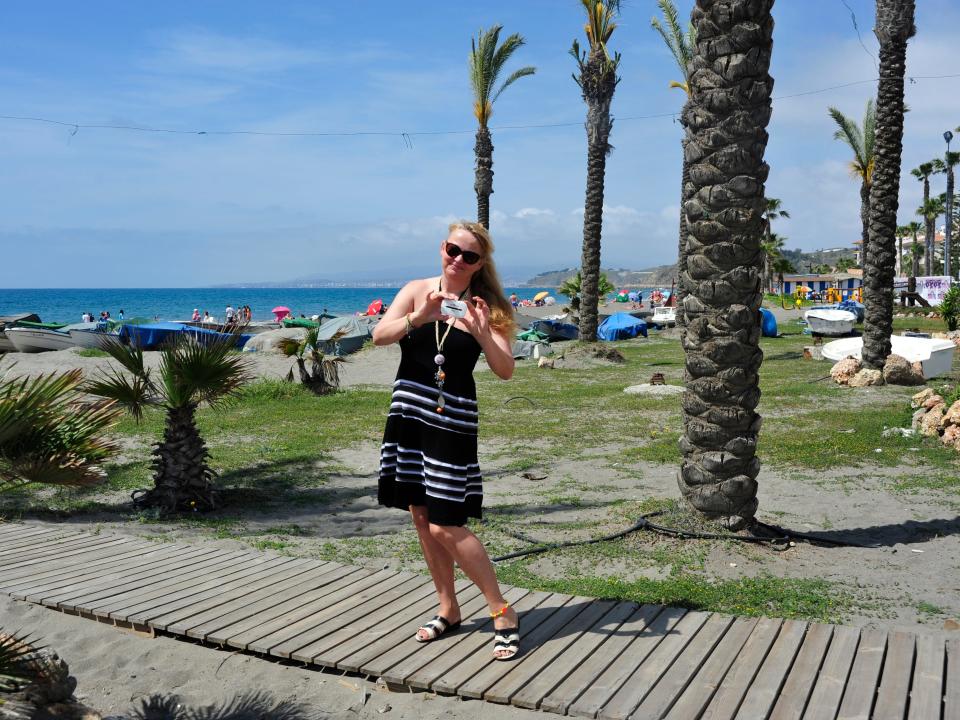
point(934, 355)
point(830, 322)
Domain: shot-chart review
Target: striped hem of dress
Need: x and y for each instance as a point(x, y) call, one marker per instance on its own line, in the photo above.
point(414, 401)
point(444, 480)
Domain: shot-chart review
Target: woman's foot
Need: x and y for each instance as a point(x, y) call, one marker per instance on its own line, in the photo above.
point(436, 627)
point(507, 635)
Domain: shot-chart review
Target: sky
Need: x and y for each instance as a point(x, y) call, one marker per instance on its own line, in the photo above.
point(88, 207)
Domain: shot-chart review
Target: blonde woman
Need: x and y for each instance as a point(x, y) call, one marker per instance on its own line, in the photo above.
point(428, 461)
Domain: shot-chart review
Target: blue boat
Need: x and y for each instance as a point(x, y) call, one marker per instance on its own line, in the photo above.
point(153, 336)
point(556, 330)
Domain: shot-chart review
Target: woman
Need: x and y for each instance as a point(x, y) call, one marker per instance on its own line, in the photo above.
point(428, 461)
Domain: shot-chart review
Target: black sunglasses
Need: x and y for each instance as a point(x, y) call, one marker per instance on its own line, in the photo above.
point(469, 256)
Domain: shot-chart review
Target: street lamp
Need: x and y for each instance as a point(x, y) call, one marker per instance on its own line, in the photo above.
point(948, 269)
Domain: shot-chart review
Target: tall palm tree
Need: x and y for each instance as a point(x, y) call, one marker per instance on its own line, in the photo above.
point(781, 266)
point(911, 229)
point(190, 373)
point(680, 44)
point(598, 81)
point(922, 173)
point(945, 166)
point(894, 27)
point(727, 115)
point(485, 63)
point(51, 433)
point(772, 248)
point(774, 209)
point(931, 209)
point(861, 140)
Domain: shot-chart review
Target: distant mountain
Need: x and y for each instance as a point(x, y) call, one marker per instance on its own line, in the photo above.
point(656, 276)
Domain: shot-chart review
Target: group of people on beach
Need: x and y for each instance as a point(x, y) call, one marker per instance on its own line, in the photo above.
point(88, 317)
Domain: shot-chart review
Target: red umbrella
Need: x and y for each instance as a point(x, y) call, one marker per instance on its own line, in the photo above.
point(281, 311)
point(375, 307)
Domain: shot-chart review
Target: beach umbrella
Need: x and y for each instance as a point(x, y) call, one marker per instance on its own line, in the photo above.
point(281, 311)
point(375, 307)
point(804, 288)
point(540, 296)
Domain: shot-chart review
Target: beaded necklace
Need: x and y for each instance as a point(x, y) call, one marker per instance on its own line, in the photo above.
point(439, 359)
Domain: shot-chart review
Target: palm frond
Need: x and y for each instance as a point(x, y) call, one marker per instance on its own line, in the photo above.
point(485, 63)
point(16, 667)
point(851, 134)
point(679, 43)
point(194, 371)
point(132, 392)
point(514, 76)
point(869, 137)
point(129, 356)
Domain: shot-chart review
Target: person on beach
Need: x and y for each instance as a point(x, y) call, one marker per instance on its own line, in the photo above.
point(428, 460)
point(196, 315)
point(120, 314)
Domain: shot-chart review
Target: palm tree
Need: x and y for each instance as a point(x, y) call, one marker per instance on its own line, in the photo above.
point(485, 63)
point(917, 252)
point(931, 209)
point(680, 44)
point(726, 119)
point(774, 210)
point(946, 166)
point(780, 267)
point(571, 288)
point(861, 141)
point(190, 373)
point(772, 248)
point(894, 27)
point(845, 263)
point(598, 81)
point(923, 172)
point(323, 377)
point(909, 230)
point(51, 433)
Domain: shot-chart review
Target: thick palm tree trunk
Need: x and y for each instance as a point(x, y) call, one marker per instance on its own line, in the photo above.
point(929, 228)
point(483, 174)
point(894, 27)
point(598, 86)
point(685, 193)
point(728, 112)
point(864, 217)
point(181, 478)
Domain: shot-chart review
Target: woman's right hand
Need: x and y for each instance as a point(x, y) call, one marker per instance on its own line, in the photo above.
point(430, 310)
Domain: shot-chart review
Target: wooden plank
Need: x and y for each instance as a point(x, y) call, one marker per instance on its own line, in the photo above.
point(277, 583)
point(49, 591)
point(611, 678)
point(803, 675)
point(35, 551)
point(828, 690)
point(527, 664)
point(612, 638)
point(769, 678)
point(652, 668)
point(681, 673)
point(10, 532)
point(926, 691)
point(895, 680)
point(363, 649)
point(30, 538)
point(737, 681)
point(397, 662)
point(564, 653)
point(212, 610)
point(71, 552)
point(137, 587)
point(861, 688)
point(93, 564)
point(951, 696)
point(176, 587)
point(475, 652)
point(368, 626)
point(320, 626)
point(700, 690)
point(249, 630)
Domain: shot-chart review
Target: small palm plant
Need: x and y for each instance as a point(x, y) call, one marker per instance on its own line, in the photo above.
point(323, 377)
point(50, 433)
point(190, 373)
point(571, 288)
point(949, 308)
point(17, 668)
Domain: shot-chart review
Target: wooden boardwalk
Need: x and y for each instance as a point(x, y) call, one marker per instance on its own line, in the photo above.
point(582, 657)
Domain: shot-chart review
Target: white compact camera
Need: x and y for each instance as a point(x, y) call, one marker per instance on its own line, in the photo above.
point(454, 308)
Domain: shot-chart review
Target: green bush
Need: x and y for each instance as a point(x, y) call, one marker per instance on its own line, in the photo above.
point(949, 308)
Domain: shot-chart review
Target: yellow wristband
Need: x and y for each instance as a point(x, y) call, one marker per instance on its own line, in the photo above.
point(406, 319)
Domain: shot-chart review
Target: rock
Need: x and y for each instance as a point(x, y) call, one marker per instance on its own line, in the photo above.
point(951, 416)
point(930, 424)
point(917, 417)
point(951, 435)
point(898, 432)
point(932, 401)
point(545, 363)
point(897, 370)
point(866, 378)
point(844, 370)
point(812, 352)
point(918, 399)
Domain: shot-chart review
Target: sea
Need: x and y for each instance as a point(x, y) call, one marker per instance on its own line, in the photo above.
point(67, 305)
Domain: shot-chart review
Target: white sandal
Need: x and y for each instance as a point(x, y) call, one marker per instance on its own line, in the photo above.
point(507, 641)
point(435, 628)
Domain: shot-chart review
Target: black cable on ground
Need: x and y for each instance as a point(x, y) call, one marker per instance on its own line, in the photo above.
point(779, 540)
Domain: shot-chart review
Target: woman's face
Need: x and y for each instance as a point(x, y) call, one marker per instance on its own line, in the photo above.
point(460, 242)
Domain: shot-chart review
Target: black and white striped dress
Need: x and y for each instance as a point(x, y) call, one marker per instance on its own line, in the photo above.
point(429, 457)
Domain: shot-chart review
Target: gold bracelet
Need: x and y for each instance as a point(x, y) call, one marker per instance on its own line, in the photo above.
point(406, 319)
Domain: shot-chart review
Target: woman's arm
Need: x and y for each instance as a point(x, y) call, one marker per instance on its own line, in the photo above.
point(393, 324)
point(498, 350)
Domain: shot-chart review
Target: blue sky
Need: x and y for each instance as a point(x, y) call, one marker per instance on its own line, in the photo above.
point(110, 208)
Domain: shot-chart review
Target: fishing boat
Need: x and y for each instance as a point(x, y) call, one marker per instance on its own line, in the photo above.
point(934, 355)
point(37, 339)
point(9, 321)
point(830, 322)
point(664, 316)
point(88, 335)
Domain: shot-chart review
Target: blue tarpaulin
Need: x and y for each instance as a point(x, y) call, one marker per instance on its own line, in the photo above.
point(621, 326)
point(153, 335)
point(768, 323)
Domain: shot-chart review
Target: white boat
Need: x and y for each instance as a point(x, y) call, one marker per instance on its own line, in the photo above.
point(935, 356)
point(5, 344)
point(31, 340)
point(664, 315)
point(9, 321)
point(87, 335)
point(830, 322)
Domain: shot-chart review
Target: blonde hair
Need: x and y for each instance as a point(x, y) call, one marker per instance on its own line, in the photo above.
point(486, 282)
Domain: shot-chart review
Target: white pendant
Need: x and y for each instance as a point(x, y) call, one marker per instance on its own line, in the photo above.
point(439, 359)
point(441, 403)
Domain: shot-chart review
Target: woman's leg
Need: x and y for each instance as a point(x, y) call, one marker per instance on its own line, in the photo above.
point(440, 563)
point(472, 557)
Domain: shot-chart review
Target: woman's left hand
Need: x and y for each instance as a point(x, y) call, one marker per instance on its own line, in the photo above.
point(477, 319)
